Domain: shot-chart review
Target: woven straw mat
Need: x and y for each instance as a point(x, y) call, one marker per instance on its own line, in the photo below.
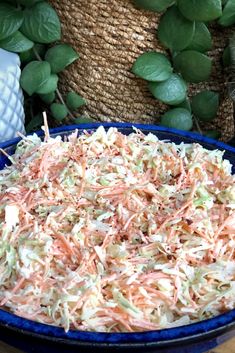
point(109, 36)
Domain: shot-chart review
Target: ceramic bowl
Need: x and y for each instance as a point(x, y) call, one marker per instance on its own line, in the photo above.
point(200, 337)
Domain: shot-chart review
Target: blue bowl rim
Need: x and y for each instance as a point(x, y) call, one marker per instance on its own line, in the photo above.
point(214, 324)
point(152, 128)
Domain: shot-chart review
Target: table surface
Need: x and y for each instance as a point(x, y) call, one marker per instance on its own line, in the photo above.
point(228, 347)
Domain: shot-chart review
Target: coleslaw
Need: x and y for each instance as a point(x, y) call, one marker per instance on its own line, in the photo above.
point(113, 233)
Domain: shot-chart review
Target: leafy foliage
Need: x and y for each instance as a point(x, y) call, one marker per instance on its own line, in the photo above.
point(60, 56)
point(48, 98)
point(41, 23)
point(200, 10)
point(186, 104)
point(59, 111)
point(228, 15)
point(74, 101)
point(205, 105)
point(153, 66)
point(154, 5)
point(27, 27)
point(178, 118)
point(183, 29)
point(194, 66)
point(17, 43)
point(172, 91)
point(201, 40)
point(11, 20)
point(174, 30)
point(49, 86)
point(34, 76)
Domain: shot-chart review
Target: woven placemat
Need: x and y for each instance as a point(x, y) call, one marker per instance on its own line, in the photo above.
point(110, 35)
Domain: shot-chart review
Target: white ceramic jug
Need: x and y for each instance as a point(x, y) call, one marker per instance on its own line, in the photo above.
point(12, 115)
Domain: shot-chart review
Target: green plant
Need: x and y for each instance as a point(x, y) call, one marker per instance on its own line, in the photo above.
point(29, 28)
point(205, 105)
point(229, 63)
point(178, 118)
point(183, 31)
point(172, 91)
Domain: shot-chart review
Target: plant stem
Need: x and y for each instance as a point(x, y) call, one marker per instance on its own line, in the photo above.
point(36, 54)
point(63, 102)
point(59, 95)
point(198, 125)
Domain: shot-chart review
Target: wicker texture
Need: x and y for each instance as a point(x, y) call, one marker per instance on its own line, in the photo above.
point(110, 35)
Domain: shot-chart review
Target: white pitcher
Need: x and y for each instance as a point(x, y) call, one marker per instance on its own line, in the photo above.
point(12, 115)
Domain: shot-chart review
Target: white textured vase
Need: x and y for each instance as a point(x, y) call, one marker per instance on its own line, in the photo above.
point(11, 96)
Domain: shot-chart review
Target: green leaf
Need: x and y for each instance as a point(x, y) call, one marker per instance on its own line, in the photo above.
point(172, 91)
point(28, 3)
point(200, 10)
point(60, 56)
point(83, 120)
point(41, 23)
point(178, 118)
point(154, 5)
point(232, 51)
point(59, 111)
point(29, 55)
point(49, 86)
point(35, 122)
point(16, 43)
point(231, 90)
point(193, 66)
point(175, 31)
point(10, 20)
point(202, 40)
point(48, 98)
point(152, 66)
point(226, 57)
point(205, 105)
point(185, 104)
point(228, 16)
point(34, 75)
point(74, 101)
point(213, 134)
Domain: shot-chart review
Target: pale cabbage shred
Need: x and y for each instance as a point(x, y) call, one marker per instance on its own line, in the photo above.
point(97, 238)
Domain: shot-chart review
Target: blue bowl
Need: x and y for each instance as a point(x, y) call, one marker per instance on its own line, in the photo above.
point(34, 337)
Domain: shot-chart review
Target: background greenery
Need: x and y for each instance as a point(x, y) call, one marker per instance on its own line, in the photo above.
point(184, 32)
point(32, 29)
